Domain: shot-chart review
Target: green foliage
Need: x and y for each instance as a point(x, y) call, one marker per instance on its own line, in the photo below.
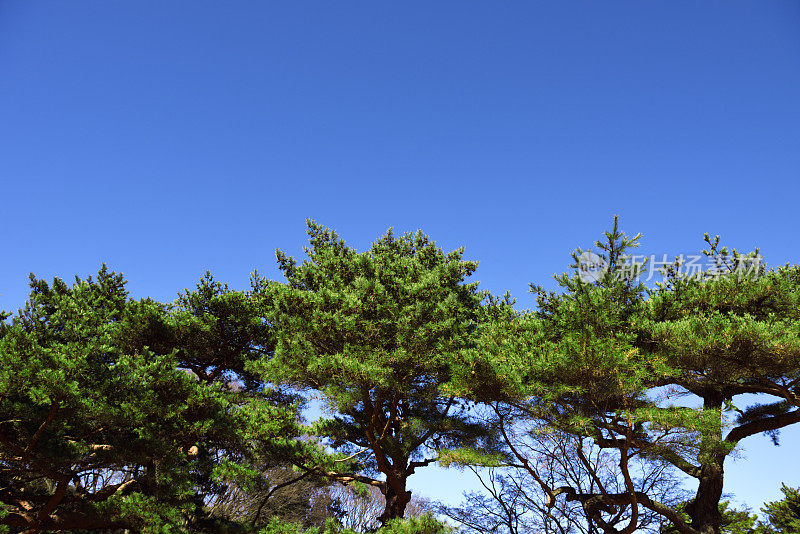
point(377, 334)
point(466, 456)
point(120, 413)
point(115, 412)
point(733, 521)
point(96, 425)
point(426, 524)
point(615, 361)
point(216, 333)
point(784, 515)
point(277, 526)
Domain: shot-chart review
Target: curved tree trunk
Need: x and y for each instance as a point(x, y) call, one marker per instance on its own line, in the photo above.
point(704, 509)
point(397, 498)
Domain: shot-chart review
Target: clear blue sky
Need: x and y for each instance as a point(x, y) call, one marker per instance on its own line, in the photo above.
point(167, 138)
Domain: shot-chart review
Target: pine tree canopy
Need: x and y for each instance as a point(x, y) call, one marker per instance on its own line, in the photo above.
point(97, 429)
point(109, 416)
point(783, 515)
point(654, 372)
point(377, 334)
point(117, 413)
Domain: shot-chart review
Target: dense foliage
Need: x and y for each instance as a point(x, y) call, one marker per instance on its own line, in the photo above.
point(582, 415)
point(783, 515)
point(377, 334)
point(99, 429)
point(653, 373)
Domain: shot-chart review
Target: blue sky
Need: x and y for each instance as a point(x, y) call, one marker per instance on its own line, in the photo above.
point(167, 138)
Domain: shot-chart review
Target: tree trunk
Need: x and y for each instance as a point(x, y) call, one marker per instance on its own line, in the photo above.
point(704, 509)
point(397, 497)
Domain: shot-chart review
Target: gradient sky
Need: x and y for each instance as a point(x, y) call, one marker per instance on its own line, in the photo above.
point(167, 138)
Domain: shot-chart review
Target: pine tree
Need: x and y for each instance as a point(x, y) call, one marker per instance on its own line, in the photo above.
point(377, 334)
point(606, 359)
point(97, 430)
point(216, 332)
point(732, 520)
point(121, 413)
point(784, 515)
